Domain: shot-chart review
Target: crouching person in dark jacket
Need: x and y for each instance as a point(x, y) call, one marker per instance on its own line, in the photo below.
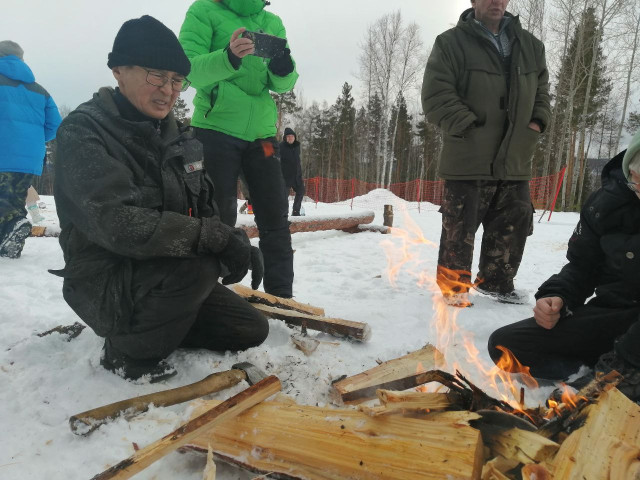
point(142, 239)
point(292, 168)
point(604, 257)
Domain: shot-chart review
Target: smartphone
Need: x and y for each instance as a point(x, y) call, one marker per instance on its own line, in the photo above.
point(267, 46)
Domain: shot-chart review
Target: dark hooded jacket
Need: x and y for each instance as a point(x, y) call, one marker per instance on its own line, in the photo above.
point(128, 191)
point(604, 249)
point(290, 161)
point(484, 111)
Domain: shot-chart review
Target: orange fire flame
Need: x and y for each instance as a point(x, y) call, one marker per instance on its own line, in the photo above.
point(403, 255)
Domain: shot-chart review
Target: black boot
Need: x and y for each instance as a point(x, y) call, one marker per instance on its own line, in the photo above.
point(130, 369)
point(630, 384)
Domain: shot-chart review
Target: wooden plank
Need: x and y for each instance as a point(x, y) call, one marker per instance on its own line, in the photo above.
point(607, 446)
point(198, 425)
point(315, 224)
point(397, 374)
point(315, 443)
point(333, 326)
point(255, 296)
point(38, 231)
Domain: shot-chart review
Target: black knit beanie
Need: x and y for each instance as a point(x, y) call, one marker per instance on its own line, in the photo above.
point(147, 42)
point(289, 131)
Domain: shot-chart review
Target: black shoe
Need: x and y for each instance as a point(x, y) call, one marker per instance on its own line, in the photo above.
point(295, 214)
point(517, 297)
point(129, 370)
point(16, 232)
point(630, 384)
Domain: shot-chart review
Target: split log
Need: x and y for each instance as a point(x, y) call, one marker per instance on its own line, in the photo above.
point(314, 443)
point(255, 296)
point(535, 471)
point(397, 374)
point(318, 223)
point(516, 444)
point(393, 402)
point(333, 326)
point(496, 468)
point(198, 425)
point(607, 446)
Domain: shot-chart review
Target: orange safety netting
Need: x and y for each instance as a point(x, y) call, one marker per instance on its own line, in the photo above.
point(420, 193)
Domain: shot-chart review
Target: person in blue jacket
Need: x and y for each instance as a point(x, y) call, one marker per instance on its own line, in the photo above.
point(28, 118)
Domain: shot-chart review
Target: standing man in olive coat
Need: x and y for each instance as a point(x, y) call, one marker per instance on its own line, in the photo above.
point(486, 86)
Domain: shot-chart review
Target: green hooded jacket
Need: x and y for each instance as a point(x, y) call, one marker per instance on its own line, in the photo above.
point(235, 102)
point(485, 125)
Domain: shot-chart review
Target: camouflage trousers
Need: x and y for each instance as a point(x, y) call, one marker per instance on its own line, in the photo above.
point(13, 195)
point(505, 211)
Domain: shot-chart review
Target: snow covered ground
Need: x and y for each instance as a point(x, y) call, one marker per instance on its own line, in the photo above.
point(45, 380)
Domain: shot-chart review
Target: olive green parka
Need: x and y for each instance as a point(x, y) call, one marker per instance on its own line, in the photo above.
point(235, 102)
point(485, 123)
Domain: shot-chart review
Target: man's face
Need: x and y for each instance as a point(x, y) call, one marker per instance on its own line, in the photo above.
point(290, 138)
point(489, 11)
point(635, 178)
point(152, 101)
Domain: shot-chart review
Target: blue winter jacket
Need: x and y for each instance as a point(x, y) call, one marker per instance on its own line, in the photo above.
point(28, 118)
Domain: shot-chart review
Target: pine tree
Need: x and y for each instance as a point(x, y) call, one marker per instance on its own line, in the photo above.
point(181, 111)
point(287, 104)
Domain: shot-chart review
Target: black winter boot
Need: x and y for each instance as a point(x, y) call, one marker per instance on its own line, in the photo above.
point(129, 369)
point(630, 384)
point(15, 233)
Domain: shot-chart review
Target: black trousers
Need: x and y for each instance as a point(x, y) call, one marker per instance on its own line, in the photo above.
point(576, 340)
point(504, 209)
point(170, 303)
point(297, 201)
point(225, 158)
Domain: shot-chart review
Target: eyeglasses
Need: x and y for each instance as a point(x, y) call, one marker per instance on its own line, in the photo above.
point(158, 79)
point(635, 187)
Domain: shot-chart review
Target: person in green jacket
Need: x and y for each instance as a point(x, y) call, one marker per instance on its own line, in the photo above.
point(486, 86)
point(235, 119)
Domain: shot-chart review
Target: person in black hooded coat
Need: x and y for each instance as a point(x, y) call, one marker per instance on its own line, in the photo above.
point(292, 168)
point(604, 254)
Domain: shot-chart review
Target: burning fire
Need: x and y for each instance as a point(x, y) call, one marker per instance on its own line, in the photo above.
point(403, 254)
point(568, 400)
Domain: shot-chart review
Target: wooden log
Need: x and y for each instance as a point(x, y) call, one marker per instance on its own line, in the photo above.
point(333, 326)
point(198, 425)
point(517, 444)
point(315, 443)
point(38, 231)
point(534, 471)
point(397, 374)
point(255, 296)
point(607, 446)
point(496, 468)
point(318, 223)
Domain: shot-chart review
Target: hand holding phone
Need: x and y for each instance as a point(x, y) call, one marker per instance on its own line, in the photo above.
point(265, 45)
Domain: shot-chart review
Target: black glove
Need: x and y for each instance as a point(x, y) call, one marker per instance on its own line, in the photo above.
point(282, 65)
point(236, 256)
point(257, 267)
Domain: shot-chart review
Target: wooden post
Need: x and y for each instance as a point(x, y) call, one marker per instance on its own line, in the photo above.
point(387, 216)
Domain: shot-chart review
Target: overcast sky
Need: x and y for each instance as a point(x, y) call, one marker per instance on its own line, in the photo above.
point(66, 42)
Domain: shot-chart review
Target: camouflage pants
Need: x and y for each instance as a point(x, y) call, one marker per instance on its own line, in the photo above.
point(13, 195)
point(505, 211)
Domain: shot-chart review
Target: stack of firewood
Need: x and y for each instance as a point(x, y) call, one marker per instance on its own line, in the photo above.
point(459, 433)
point(455, 431)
